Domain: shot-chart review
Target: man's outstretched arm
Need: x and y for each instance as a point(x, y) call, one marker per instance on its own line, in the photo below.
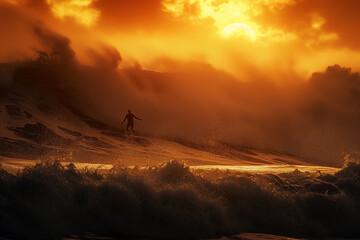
point(123, 121)
point(137, 118)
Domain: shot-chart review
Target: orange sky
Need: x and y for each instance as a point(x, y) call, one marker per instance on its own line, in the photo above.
point(275, 39)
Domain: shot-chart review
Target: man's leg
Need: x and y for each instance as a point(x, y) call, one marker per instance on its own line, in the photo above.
point(132, 128)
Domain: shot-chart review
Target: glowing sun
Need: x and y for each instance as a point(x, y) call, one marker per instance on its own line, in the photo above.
point(239, 30)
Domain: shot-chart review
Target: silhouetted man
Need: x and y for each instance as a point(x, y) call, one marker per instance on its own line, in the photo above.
point(130, 121)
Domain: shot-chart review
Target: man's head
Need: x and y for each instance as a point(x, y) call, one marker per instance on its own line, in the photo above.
point(129, 111)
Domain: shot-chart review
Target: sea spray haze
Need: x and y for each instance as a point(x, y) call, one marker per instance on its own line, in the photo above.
point(316, 119)
point(49, 200)
point(313, 116)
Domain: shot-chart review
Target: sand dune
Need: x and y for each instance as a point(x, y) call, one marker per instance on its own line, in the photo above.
point(34, 131)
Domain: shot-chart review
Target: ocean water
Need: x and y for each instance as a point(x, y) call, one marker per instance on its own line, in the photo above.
point(52, 201)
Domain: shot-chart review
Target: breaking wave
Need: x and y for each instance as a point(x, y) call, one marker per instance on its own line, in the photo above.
point(49, 200)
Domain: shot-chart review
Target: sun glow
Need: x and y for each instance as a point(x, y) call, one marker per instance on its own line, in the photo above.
point(232, 18)
point(239, 30)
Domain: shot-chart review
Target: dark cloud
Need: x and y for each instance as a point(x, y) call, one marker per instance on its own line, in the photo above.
point(329, 105)
point(341, 17)
point(24, 26)
point(57, 45)
point(129, 15)
point(106, 57)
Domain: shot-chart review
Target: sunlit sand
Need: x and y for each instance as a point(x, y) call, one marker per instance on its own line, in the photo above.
point(14, 165)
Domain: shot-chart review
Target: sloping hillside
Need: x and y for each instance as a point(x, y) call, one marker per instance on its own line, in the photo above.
point(40, 125)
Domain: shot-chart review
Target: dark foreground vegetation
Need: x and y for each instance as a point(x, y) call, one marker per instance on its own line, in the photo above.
point(51, 201)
